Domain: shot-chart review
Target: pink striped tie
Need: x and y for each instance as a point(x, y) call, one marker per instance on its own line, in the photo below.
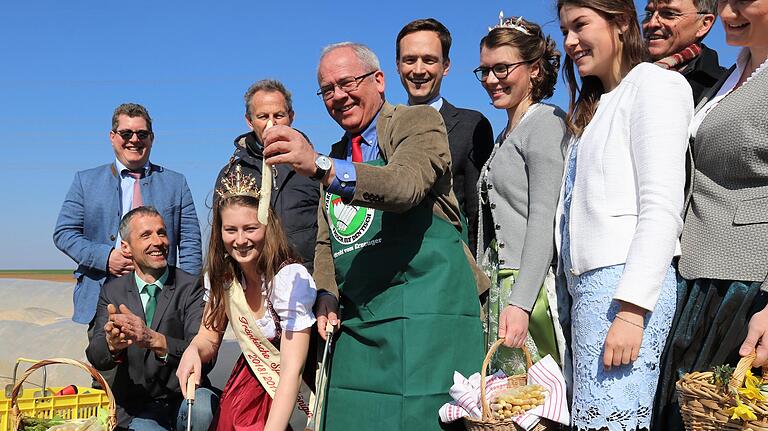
point(136, 201)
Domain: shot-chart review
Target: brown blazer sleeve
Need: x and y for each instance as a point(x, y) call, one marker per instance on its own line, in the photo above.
point(324, 274)
point(414, 143)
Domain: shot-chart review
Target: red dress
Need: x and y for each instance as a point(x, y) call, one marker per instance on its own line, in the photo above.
point(245, 404)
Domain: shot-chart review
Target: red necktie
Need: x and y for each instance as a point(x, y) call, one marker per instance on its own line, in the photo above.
point(136, 201)
point(357, 152)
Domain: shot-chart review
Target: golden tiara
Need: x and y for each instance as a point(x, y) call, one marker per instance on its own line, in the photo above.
point(238, 184)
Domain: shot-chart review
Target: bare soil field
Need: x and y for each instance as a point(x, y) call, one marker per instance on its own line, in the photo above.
point(62, 275)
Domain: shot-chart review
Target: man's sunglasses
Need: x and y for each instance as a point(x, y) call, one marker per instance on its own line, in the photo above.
point(127, 134)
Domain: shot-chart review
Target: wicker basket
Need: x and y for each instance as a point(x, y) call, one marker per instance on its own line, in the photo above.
point(17, 417)
point(703, 405)
point(488, 423)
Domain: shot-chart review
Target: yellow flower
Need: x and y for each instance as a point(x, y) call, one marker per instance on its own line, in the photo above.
point(742, 412)
point(750, 380)
point(751, 387)
point(752, 392)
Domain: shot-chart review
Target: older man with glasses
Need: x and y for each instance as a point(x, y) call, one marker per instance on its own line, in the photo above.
point(389, 251)
point(674, 30)
point(87, 227)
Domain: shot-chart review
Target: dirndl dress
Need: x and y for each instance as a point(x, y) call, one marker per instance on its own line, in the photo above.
point(709, 326)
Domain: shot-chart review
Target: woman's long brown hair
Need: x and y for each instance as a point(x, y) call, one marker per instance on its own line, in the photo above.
point(222, 269)
point(584, 100)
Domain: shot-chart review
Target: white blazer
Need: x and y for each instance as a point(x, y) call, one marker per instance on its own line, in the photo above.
point(627, 199)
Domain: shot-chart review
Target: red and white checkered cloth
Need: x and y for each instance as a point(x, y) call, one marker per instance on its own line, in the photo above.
point(466, 395)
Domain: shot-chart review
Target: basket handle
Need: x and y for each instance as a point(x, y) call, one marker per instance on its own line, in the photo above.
point(740, 372)
point(483, 372)
point(111, 419)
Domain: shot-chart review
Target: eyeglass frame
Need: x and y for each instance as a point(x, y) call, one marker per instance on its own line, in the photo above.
point(331, 88)
point(648, 16)
point(510, 67)
point(133, 132)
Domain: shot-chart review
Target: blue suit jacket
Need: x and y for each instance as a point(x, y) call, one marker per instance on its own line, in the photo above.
point(86, 229)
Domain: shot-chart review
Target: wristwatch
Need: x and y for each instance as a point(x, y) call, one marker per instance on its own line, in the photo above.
point(323, 164)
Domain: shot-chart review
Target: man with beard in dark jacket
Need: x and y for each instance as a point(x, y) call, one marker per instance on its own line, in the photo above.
point(294, 197)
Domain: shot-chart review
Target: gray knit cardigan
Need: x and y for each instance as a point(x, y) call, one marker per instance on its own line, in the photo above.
point(523, 176)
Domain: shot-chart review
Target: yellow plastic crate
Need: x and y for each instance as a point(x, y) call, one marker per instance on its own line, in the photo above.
point(82, 405)
point(41, 403)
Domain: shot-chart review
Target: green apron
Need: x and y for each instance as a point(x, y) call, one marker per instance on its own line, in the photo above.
point(410, 317)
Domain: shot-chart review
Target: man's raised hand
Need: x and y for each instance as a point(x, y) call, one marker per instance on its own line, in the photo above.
point(284, 145)
point(116, 339)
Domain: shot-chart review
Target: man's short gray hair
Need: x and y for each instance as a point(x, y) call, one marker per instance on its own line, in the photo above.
point(125, 223)
point(268, 85)
point(706, 6)
point(362, 52)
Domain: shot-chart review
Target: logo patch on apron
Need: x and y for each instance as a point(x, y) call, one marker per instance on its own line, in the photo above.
point(348, 223)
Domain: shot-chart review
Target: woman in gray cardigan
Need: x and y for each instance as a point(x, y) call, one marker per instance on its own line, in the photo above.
point(519, 187)
point(722, 313)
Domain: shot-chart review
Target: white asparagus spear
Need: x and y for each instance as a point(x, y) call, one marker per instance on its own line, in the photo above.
point(265, 195)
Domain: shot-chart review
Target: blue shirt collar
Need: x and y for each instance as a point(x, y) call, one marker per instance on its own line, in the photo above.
point(369, 134)
point(436, 103)
point(121, 167)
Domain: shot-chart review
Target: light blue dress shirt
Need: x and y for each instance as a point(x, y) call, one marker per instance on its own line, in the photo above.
point(126, 191)
point(346, 177)
point(436, 103)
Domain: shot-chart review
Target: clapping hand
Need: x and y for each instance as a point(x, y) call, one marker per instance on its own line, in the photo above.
point(132, 326)
point(116, 339)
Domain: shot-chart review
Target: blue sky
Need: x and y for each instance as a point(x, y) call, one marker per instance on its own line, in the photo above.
point(67, 65)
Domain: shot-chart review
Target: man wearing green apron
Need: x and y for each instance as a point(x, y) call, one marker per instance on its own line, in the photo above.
point(390, 259)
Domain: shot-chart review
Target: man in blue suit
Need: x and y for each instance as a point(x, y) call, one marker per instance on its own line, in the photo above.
point(87, 227)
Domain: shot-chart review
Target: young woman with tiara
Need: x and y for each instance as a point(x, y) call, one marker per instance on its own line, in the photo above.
point(619, 216)
point(518, 191)
point(257, 286)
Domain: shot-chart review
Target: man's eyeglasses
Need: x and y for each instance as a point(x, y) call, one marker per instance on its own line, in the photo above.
point(346, 85)
point(500, 70)
point(668, 14)
point(127, 134)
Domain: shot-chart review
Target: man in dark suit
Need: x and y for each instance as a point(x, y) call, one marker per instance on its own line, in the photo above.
point(87, 227)
point(674, 31)
point(422, 49)
point(144, 322)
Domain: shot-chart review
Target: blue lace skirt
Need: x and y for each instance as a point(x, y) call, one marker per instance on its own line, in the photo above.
point(620, 398)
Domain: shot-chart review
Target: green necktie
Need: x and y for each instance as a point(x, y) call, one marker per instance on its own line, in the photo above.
point(149, 312)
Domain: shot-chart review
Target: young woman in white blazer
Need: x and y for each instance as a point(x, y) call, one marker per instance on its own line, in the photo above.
point(619, 215)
